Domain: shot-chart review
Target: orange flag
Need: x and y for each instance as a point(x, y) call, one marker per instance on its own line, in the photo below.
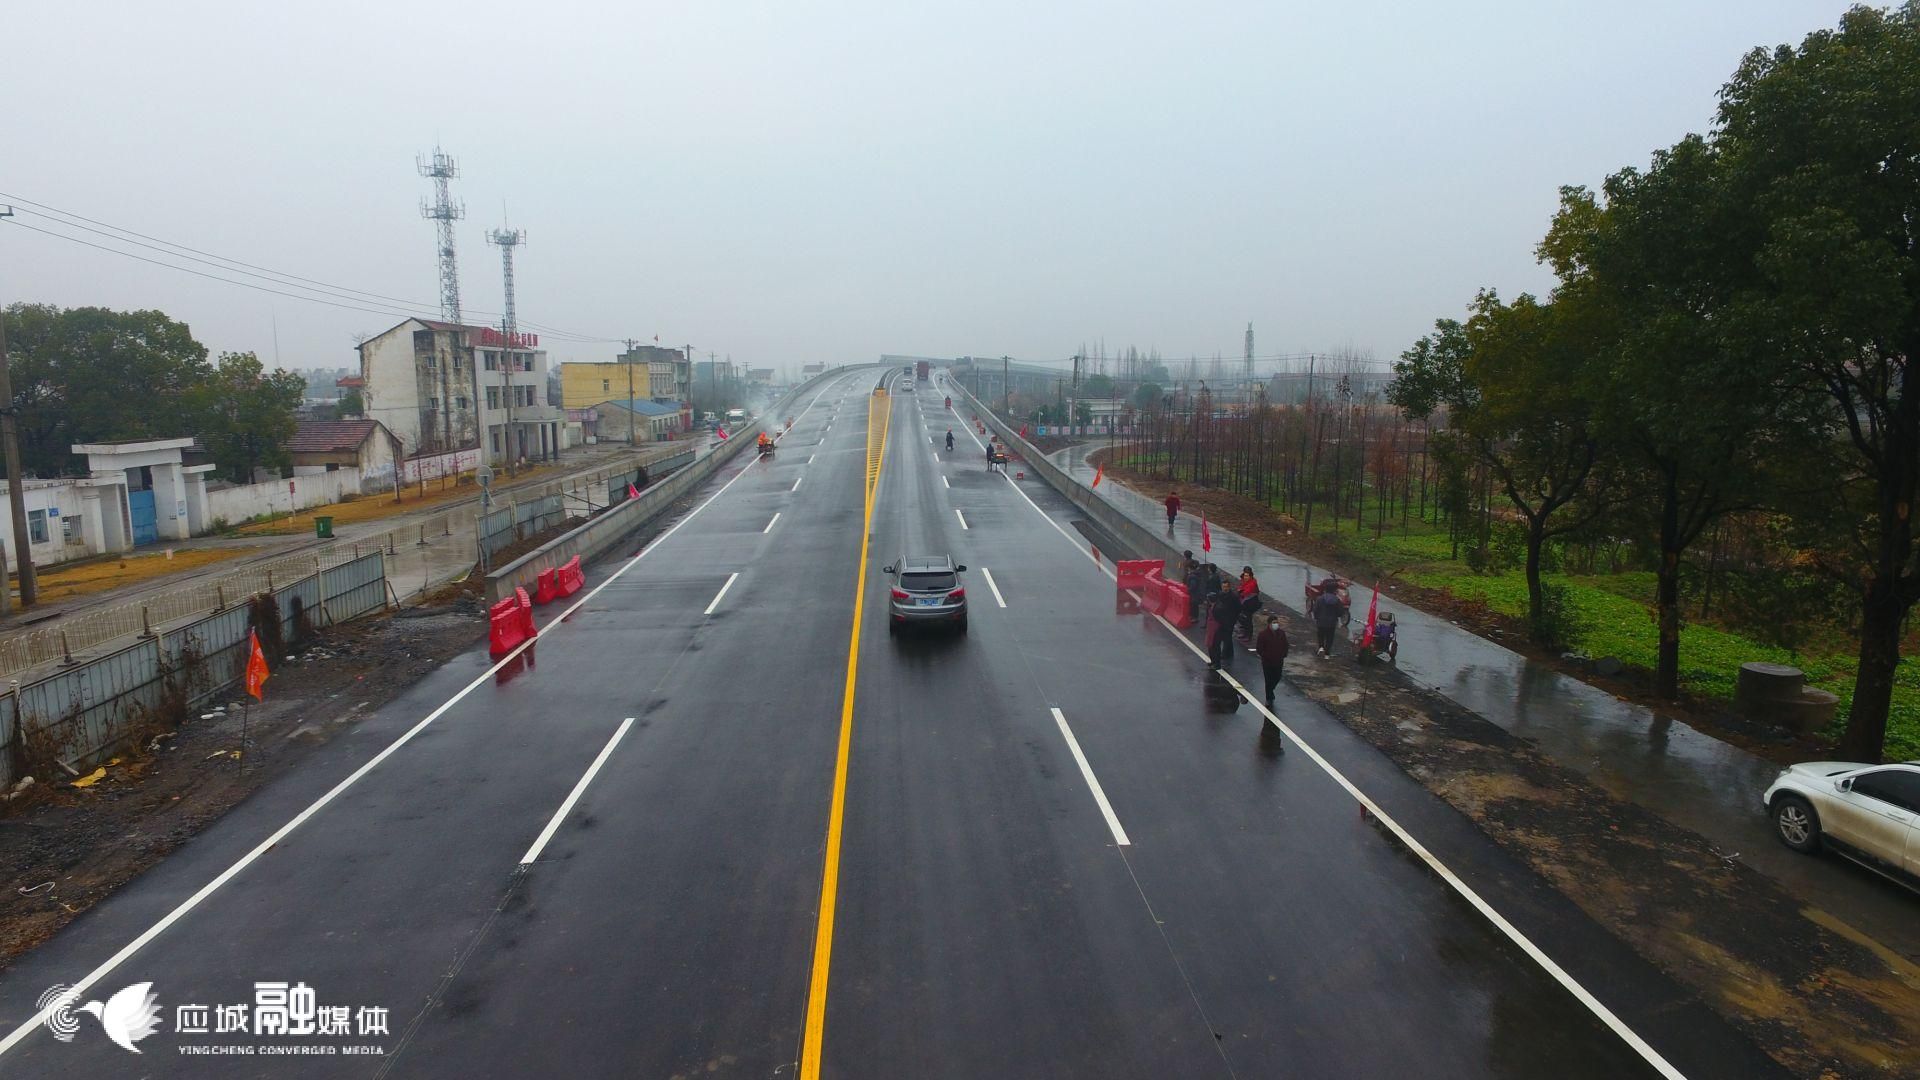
point(256, 667)
point(1099, 472)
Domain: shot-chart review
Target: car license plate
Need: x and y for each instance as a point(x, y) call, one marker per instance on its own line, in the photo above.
point(929, 601)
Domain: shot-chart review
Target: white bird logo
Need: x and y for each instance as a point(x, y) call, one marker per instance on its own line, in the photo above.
point(128, 1016)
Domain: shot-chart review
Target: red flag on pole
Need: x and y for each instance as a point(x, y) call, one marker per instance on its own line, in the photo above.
point(632, 492)
point(1023, 431)
point(256, 667)
point(1373, 616)
point(1206, 535)
point(1098, 473)
point(722, 432)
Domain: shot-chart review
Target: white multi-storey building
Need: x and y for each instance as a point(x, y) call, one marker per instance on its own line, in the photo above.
point(440, 387)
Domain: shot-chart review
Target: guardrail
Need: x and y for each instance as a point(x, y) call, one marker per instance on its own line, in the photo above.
point(614, 524)
point(1123, 528)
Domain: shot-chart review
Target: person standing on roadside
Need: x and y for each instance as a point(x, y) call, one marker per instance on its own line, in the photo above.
point(1222, 610)
point(1272, 646)
point(1249, 600)
point(1327, 610)
point(1196, 586)
point(1173, 508)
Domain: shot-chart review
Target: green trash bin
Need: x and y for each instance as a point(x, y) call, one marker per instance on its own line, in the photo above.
point(323, 526)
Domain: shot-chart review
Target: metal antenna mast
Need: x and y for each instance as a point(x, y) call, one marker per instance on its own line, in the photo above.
point(507, 239)
point(1249, 375)
point(441, 168)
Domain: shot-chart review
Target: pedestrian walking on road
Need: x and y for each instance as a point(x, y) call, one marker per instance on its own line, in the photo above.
point(1272, 646)
point(949, 440)
point(1327, 610)
point(1173, 508)
point(1222, 609)
point(1249, 600)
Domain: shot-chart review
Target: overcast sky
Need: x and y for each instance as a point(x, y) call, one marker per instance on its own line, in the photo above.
point(796, 182)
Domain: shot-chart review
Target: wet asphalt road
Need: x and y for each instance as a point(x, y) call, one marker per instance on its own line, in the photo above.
point(990, 921)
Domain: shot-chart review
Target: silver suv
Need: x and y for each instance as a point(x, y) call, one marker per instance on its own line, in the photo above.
point(926, 589)
point(1869, 813)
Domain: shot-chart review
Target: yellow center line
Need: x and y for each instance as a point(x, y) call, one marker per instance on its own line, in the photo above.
point(879, 412)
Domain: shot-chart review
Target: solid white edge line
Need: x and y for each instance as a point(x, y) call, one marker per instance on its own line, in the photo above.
point(796, 484)
point(717, 597)
point(1093, 782)
point(553, 825)
point(988, 574)
point(107, 966)
point(1572, 986)
point(962, 517)
point(770, 524)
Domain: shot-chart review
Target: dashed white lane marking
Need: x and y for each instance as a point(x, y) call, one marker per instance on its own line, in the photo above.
point(796, 483)
point(1580, 993)
point(810, 458)
point(943, 479)
point(1093, 782)
point(721, 595)
point(580, 788)
point(180, 911)
point(961, 516)
point(771, 524)
point(997, 598)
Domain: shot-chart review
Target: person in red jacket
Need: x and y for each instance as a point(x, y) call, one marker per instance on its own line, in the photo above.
point(1249, 600)
point(1173, 508)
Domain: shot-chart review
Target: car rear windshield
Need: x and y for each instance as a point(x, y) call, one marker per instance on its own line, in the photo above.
point(934, 582)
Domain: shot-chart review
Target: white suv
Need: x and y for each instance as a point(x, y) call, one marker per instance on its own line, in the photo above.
point(1869, 813)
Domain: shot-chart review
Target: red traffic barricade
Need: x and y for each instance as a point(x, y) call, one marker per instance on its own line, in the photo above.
point(1175, 609)
point(547, 586)
point(1153, 592)
point(509, 623)
point(1132, 573)
point(571, 578)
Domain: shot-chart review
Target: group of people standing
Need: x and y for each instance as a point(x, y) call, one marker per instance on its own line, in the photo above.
point(1231, 607)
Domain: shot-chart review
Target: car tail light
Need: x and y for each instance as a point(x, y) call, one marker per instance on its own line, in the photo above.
point(900, 594)
point(956, 596)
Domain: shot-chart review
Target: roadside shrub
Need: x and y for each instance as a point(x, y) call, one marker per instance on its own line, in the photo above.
point(1560, 624)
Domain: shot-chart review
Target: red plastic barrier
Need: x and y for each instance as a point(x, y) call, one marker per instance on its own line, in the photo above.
point(571, 578)
point(1175, 610)
point(1132, 573)
point(506, 628)
point(1153, 592)
point(546, 586)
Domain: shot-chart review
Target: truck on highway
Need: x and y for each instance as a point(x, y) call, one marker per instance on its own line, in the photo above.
point(923, 371)
point(736, 417)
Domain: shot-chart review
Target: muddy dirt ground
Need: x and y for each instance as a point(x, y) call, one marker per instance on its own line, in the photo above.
point(63, 849)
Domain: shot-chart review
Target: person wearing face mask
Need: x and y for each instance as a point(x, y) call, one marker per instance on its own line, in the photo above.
point(1272, 646)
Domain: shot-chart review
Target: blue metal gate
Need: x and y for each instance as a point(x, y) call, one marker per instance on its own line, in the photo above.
point(146, 523)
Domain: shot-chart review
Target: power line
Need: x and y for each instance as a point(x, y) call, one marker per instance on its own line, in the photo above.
point(55, 215)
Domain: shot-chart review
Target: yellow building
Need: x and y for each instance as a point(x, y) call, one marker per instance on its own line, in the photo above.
point(585, 385)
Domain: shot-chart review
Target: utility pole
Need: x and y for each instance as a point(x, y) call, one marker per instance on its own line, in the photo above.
point(632, 439)
point(16, 484)
point(1006, 389)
